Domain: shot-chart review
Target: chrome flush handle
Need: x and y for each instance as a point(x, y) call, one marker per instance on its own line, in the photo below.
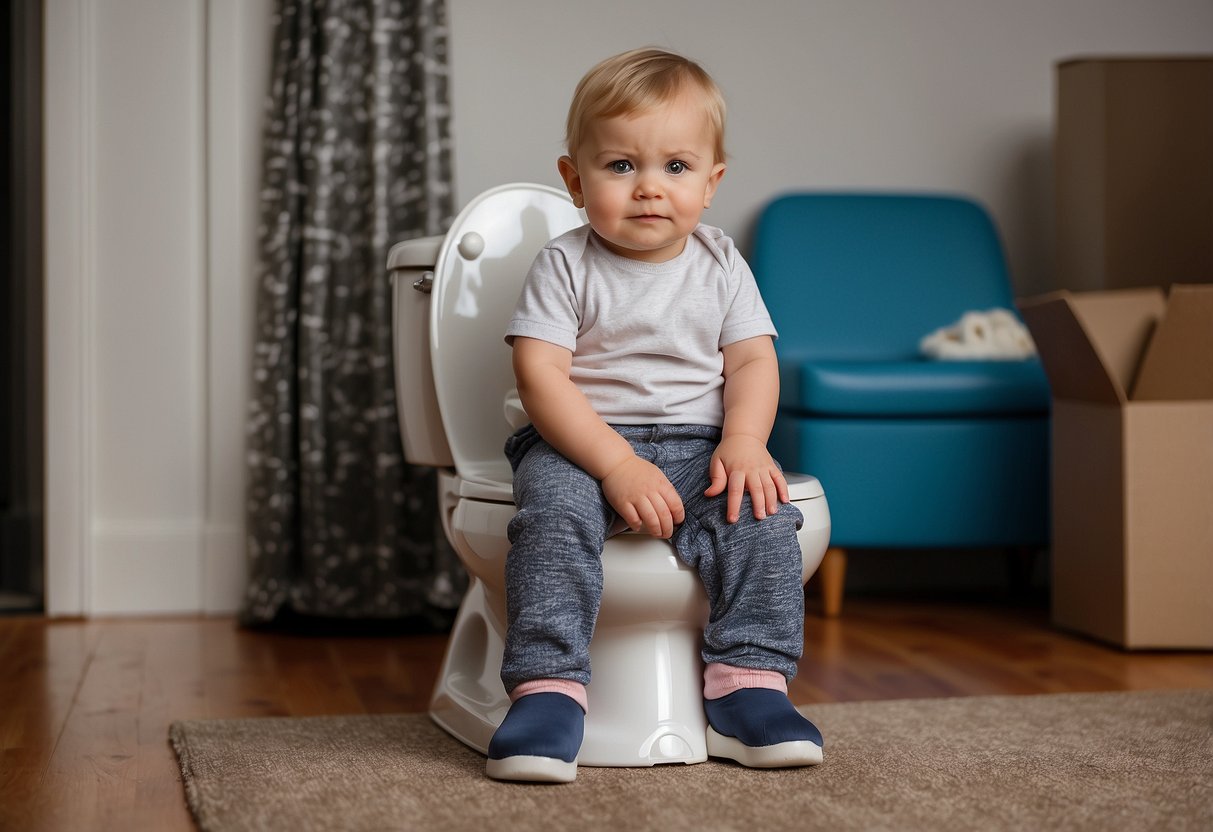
point(425, 283)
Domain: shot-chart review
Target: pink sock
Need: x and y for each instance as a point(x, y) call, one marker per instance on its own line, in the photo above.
point(722, 679)
point(573, 690)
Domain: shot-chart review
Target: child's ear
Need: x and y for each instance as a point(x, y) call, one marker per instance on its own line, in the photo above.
point(713, 183)
point(568, 172)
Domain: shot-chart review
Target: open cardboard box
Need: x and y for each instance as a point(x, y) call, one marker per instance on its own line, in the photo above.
point(1132, 379)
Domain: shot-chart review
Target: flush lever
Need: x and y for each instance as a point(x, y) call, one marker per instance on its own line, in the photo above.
point(425, 283)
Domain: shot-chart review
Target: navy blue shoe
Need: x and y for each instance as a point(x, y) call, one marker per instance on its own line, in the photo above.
point(760, 728)
point(538, 740)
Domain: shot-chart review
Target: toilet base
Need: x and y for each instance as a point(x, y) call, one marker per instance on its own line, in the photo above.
point(645, 716)
point(641, 713)
point(469, 701)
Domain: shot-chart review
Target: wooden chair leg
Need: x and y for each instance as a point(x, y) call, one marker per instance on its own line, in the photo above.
point(833, 572)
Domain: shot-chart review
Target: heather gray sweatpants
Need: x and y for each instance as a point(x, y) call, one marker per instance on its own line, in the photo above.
point(750, 569)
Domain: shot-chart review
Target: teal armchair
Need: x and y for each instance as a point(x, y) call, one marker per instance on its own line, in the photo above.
point(912, 453)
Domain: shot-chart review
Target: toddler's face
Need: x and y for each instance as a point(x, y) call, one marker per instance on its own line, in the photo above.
point(645, 178)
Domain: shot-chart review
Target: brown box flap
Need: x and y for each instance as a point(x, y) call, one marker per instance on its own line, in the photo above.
point(1178, 365)
point(1091, 344)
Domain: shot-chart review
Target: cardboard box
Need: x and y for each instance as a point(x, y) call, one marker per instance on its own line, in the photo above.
point(1132, 379)
point(1134, 171)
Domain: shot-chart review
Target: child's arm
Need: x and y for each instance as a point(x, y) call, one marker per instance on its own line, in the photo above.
point(741, 462)
point(635, 488)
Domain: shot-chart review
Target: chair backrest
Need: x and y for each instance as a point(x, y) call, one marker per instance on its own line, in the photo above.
point(866, 276)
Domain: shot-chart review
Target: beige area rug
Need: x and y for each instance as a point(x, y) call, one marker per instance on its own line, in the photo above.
point(1106, 761)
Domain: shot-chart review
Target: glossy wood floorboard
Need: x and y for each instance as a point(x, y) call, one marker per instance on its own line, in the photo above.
point(85, 705)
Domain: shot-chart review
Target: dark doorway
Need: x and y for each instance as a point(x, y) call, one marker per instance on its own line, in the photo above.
point(21, 292)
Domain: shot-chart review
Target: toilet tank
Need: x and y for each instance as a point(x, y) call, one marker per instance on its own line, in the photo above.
point(411, 268)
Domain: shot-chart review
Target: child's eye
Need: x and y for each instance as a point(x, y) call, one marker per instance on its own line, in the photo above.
point(676, 167)
point(620, 166)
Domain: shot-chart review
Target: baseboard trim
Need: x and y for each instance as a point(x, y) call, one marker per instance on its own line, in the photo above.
point(224, 570)
point(146, 569)
point(167, 568)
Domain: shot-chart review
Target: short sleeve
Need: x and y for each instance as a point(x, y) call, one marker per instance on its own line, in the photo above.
point(747, 315)
point(547, 307)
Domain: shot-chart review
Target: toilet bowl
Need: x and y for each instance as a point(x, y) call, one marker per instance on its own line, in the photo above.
point(452, 298)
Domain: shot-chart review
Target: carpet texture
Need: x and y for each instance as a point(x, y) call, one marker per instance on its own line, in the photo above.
point(1105, 761)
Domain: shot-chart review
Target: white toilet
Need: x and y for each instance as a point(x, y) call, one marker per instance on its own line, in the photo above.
point(452, 298)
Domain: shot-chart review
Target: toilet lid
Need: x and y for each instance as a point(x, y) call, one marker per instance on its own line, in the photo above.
point(478, 276)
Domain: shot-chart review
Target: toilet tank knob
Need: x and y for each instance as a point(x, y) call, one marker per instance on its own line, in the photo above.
point(471, 245)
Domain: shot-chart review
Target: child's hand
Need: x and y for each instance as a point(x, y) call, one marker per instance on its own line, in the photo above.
point(643, 497)
point(742, 463)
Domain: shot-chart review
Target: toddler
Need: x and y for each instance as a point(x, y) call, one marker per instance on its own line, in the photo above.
point(645, 362)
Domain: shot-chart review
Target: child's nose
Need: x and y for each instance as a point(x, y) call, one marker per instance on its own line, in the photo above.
point(648, 186)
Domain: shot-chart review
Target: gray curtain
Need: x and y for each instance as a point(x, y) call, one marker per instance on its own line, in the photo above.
point(356, 158)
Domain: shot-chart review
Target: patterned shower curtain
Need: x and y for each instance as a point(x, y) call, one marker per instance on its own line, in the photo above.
point(356, 158)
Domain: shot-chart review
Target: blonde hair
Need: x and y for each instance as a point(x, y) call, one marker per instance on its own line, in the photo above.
point(639, 80)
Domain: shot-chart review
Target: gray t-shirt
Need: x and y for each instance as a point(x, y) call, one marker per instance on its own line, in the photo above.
point(646, 337)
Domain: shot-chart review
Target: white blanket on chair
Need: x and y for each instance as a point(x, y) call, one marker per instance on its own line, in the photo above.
point(994, 334)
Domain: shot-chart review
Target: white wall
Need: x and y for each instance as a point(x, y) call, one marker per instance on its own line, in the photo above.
point(153, 115)
point(952, 95)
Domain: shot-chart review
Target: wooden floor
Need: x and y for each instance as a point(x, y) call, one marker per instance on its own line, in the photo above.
point(85, 706)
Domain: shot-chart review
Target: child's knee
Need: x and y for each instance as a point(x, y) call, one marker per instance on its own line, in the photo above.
point(785, 521)
point(562, 515)
point(772, 538)
point(573, 514)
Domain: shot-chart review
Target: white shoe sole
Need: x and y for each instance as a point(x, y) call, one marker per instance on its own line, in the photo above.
point(532, 769)
point(780, 755)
